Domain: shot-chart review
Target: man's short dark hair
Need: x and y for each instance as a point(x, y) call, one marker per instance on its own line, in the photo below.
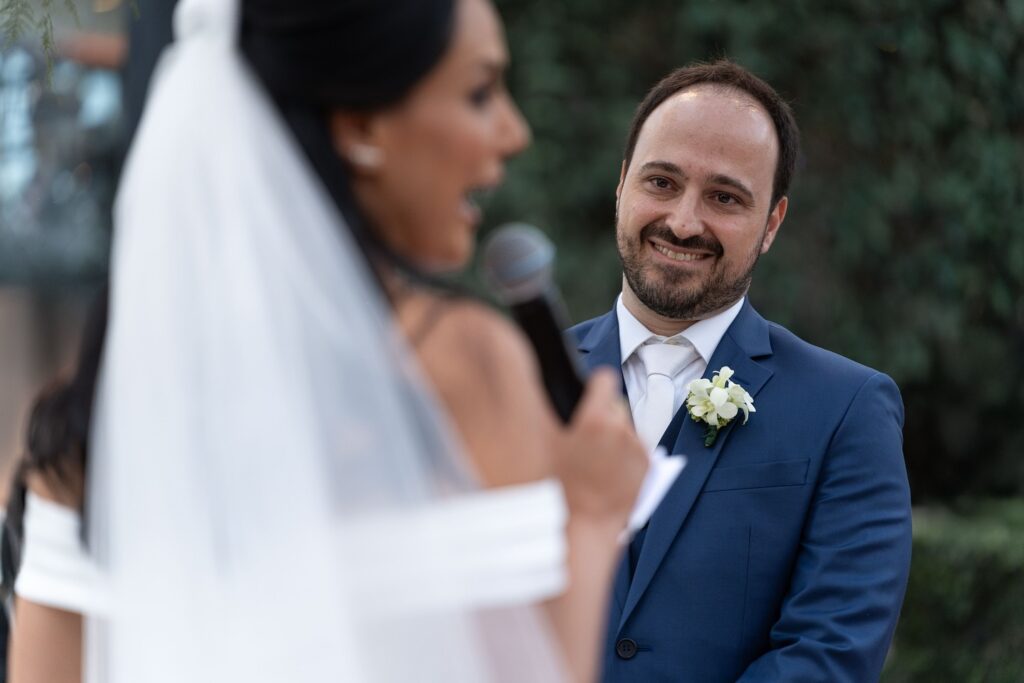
point(727, 74)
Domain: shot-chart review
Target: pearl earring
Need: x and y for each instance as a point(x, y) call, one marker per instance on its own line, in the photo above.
point(365, 156)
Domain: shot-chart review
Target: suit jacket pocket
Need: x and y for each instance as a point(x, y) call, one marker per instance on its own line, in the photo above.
point(758, 476)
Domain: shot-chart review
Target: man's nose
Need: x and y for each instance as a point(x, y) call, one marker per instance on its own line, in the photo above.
point(684, 220)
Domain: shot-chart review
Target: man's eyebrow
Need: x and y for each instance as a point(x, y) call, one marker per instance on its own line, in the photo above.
point(664, 166)
point(721, 179)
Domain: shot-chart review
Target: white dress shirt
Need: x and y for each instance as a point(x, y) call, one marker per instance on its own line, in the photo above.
point(703, 335)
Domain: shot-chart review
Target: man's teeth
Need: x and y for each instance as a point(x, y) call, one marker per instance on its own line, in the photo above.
point(679, 256)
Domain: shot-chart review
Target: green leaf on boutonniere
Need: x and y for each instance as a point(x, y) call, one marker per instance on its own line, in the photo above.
point(710, 434)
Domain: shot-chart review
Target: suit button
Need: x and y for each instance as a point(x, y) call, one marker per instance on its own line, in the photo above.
point(626, 648)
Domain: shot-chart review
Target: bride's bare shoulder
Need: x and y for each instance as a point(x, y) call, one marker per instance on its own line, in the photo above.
point(485, 373)
point(464, 334)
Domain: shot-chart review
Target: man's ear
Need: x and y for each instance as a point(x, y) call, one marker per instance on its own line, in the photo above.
point(622, 180)
point(618, 189)
point(355, 140)
point(775, 219)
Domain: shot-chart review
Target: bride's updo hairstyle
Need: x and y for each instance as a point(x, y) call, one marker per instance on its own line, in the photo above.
point(319, 56)
point(350, 54)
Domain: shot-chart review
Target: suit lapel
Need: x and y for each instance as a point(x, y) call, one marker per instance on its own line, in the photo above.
point(600, 345)
point(746, 339)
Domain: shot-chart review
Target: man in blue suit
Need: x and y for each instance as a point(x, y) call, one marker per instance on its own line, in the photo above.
point(781, 552)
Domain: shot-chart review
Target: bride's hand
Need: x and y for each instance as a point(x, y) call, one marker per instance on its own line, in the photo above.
point(601, 461)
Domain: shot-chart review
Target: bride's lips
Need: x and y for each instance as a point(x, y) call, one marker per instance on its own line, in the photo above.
point(470, 207)
point(471, 212)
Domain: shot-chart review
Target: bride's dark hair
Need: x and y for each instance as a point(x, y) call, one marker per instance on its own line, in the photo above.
point(313, 57)
point(319, 56)
point(57, 439)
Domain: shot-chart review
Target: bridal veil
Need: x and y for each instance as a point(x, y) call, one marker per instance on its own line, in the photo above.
point(275, 494)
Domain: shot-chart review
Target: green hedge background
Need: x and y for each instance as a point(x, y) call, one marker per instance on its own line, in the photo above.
point(963, 619)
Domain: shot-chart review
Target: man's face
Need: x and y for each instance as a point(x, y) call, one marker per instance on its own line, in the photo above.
point(694, 206)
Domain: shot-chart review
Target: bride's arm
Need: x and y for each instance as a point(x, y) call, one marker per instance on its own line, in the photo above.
point(46, 642)
point(601, 464)
point(45, 646)
point(488, 379)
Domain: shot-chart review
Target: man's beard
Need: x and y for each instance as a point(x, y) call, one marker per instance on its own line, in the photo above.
point(677, 295)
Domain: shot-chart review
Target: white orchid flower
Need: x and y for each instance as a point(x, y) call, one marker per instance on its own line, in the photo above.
point(716, 402)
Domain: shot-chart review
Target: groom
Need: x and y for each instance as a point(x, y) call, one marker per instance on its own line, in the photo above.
point(781, 552)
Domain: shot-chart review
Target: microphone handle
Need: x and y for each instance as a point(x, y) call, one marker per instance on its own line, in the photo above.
point(539, 319)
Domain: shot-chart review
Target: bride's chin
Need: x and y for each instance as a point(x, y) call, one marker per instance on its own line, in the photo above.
point(451, 265)
point(447, 260)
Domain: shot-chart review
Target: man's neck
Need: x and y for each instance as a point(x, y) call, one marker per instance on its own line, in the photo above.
point(658, 324)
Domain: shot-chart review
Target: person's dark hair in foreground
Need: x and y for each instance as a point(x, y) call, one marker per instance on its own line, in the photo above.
point(57, 439)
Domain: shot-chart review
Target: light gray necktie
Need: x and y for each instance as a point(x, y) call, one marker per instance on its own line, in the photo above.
point(662, 362)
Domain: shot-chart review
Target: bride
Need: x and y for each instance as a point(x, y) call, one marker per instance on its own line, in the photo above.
point(308, 459)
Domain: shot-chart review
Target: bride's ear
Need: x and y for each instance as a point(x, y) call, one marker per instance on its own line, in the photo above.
point(354, 139)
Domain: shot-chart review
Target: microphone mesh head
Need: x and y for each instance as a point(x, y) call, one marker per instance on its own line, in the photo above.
point(517, 262)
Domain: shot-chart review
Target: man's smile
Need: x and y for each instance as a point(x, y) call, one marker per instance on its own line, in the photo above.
point(679, 255)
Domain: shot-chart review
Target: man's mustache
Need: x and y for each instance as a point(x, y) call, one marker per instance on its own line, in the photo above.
point(664, 234)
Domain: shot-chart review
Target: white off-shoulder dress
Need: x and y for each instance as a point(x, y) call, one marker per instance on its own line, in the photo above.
point(56, 570)
point(490, 548)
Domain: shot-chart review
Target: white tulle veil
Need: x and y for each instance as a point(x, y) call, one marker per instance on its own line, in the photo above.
point(264, 458)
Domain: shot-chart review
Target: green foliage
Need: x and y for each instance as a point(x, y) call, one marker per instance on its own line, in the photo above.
point(963, 619)
point(16, 17)
point(903, 247)
point(19, 18)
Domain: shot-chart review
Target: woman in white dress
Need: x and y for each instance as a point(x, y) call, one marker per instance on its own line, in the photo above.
point(283, 483)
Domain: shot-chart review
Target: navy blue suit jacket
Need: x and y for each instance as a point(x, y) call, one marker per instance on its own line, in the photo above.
point(782, 552)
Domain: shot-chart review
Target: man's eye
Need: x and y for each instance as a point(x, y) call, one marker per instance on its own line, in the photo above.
point(661, 183)
point(725, 198)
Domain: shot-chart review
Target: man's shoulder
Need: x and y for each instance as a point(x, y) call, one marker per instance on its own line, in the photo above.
point(817, 364)
point(804, 359)
point(578, 331)
point(827, 383)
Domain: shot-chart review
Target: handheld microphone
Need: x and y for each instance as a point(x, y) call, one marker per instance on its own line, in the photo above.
point(517, 262)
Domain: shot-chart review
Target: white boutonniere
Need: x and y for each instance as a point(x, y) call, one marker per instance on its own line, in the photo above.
point(715, 402)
